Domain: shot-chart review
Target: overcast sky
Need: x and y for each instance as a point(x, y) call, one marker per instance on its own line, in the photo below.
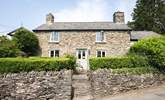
point(31, 13)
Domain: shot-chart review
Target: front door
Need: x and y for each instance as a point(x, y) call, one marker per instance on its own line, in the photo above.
point(82, 56)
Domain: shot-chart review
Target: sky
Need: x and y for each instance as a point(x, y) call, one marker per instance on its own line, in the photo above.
point(31, 13)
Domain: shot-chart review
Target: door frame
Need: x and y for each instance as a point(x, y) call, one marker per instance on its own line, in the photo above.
point(86, 57)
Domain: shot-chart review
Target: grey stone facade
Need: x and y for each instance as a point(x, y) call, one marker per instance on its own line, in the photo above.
point(116, 42)
point(82, 35)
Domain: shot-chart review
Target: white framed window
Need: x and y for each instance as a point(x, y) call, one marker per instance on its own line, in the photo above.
point(100, 53)
point(54, 53)
point(55, 37)
point(100, 36)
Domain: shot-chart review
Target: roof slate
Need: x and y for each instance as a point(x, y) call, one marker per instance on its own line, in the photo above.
point(82, 26)
point(137, 35)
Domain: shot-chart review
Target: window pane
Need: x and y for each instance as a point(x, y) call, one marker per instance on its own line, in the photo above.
point(98, 53)
point(103, 53)
point(52, 35)
point(79, 54)
point(98, 36)
point(55, 36)
point(57, 53)
point(83, 55)
point(51, 53)
point(102, 36)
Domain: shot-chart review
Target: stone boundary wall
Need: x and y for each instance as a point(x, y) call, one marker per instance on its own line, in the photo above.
point(105, 83)
point(36, 86)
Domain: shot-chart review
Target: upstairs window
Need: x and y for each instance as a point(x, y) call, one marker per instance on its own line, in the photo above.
point(101, 53)
point(54, 37)
point(100, 36)
point(54, 53)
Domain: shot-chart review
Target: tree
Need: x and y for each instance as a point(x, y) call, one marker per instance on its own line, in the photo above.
point(27, 41)
point(149, 15)
point(8, 48)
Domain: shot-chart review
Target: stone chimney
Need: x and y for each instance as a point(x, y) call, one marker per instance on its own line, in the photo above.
point(49, 19)
point(118, 17)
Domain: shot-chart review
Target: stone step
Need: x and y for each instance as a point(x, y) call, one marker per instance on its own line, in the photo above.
point(80, 81)
point(81, 93)
point(82, 87)
point(81, 84)
point(80, 71)
point(80, 77)
point(87, 97)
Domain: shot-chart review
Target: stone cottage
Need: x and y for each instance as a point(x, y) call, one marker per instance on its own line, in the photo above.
point(84, 39)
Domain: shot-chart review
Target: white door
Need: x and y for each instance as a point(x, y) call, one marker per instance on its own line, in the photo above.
point(82, 59)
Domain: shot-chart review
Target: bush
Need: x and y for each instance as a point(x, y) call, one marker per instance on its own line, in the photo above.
point(130, 61)
point(15, 65)
point(153, 49)
point(136, 71)
point(8, 48)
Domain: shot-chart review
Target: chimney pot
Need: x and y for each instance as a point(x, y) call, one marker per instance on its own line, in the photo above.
point(118, 17)
point(49, 19)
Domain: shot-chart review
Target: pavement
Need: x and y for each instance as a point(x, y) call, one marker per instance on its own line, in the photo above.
point(154, 93)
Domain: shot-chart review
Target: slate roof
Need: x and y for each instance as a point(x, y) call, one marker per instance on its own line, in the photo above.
point(137, 35)
point(82, 26)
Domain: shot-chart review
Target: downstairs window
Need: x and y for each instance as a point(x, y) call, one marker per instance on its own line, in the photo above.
point(101, 53)
point(54, 53)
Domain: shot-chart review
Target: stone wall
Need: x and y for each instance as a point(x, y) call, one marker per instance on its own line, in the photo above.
point(36, 86)
point(105, 83)
point(117, 42)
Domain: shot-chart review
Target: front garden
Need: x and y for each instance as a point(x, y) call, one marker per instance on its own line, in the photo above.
point(142, 67)
point(145, 56)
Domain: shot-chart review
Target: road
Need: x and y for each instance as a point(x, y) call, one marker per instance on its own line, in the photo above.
point(154, 93)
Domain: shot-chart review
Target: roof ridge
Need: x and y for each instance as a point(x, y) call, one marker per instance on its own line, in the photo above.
point(104, 25)
point(88, 22)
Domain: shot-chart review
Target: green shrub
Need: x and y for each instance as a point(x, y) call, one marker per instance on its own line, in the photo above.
point(130, 61)
point(153, 49)
point(136, 71)
point(8, 48)
point(15, 65)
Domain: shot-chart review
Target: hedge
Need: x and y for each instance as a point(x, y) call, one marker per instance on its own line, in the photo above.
point(136, 71)
point(15, 65)
point(130, 61)
point(153, 49)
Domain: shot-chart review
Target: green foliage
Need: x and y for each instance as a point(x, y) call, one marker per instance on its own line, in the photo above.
point(72, 57)
point(8, 48)
point(27, 41)
point(135, 71)
point(149, 15)
point(153, 49)
point(15, 65)
point(130, 61)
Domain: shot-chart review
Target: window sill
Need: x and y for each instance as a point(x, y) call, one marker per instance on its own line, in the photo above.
point(56, 42)
point(100, 42)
